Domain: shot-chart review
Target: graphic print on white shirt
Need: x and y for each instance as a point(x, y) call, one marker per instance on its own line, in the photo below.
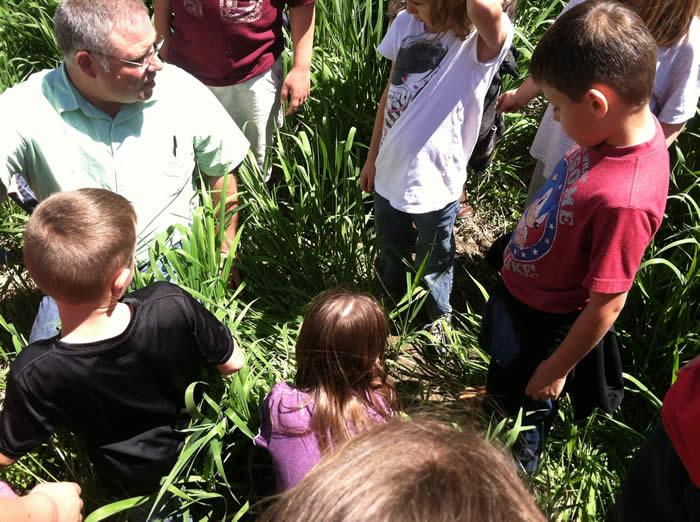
point(416, 63)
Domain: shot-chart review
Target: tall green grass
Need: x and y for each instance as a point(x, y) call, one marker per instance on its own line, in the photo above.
point(313, 230)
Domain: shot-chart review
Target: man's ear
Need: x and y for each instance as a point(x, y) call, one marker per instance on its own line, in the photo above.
point(86, 63)
point(598, 99)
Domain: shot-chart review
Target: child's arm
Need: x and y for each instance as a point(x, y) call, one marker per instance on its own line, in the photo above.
point(6, 461)
point(161, 20)
point(47, 502)
point(486, 15)
point(234, 363)
point(369, 170)
point(671, 131)
point(516, 99)
point(297, 84)
point(591, 326)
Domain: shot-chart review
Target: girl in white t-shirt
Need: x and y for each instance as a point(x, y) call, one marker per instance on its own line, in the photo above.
point(444, 55)
point(676, 28)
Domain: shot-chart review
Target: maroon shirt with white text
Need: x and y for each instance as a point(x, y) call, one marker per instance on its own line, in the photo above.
point(589, 225)
point(226, 42)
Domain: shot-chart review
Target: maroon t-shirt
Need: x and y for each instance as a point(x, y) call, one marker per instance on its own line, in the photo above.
point(225, 42)
point(589, 225)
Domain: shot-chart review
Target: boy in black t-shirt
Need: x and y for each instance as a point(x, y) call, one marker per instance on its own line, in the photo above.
point(116, 374)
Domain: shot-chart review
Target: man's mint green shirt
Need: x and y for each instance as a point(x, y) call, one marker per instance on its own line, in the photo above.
point(147, 153)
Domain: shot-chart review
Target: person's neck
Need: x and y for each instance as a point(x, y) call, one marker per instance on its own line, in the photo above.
point(635, 128)
point(111, 109)
point(81, 323)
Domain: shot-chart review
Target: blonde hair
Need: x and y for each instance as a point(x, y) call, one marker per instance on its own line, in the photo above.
point(445, 15)
point(339, 355)
point(74, 242)
point(410, 471)
point(668, 20)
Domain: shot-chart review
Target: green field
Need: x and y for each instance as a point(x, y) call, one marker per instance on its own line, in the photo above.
point(315, 231)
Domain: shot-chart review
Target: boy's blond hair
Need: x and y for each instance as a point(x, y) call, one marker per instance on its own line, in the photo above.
point(75, 242)
point(410, 471)
point(597, 42)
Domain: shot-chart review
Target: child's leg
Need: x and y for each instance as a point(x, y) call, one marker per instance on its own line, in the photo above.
point(255, 107)
point(395, 236)
point(436, 242)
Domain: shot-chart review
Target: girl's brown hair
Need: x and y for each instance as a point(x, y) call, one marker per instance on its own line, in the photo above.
point(340, 355)
point(445, 15)
point(410, 471)
point(668, 20)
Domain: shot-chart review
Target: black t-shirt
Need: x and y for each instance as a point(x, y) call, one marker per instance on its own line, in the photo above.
point(123, 396)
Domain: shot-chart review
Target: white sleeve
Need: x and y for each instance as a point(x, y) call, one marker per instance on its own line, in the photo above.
point(390, 44)
point(677, 86)
point(219, 145)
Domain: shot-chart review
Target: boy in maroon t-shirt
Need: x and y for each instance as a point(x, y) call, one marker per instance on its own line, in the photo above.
point(233, 47)
point(574, 254)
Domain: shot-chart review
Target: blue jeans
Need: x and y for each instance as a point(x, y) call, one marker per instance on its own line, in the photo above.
point(433, 238)
point(47, 322)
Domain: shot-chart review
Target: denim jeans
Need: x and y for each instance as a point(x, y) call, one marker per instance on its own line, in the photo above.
point(433, 238)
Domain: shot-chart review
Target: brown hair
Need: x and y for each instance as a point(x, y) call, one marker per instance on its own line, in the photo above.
point(339, 355)
point(74, 242)
point(445, 15)
point(410, 471)
point(597, 42)
point(669, 20)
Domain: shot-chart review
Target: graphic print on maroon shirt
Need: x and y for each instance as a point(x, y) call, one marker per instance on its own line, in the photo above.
point(226, 42)
point(589, 225)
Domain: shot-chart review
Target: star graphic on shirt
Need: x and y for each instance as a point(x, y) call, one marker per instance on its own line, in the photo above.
point(535, 251)
point(546, 241)
point(551, 227)
point(561, 187)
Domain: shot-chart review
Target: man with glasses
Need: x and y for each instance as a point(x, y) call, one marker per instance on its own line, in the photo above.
point(113, 116)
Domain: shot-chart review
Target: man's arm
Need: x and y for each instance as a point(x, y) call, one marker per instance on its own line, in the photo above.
point(547, 382)
point(161, 19)
point(229, 184)
point(297, 84)
point(486, 15)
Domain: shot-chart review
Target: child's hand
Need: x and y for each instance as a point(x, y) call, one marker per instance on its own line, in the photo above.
point(367, 176)
point(544, 384)
point(296, 88)
point(510, 101)
point(693, 362)
point(66, 505)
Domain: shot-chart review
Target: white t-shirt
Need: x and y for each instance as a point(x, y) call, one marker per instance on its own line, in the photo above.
point(674, 97)
point(433, 113)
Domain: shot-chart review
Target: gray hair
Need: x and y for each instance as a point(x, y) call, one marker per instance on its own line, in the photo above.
point(86, 25)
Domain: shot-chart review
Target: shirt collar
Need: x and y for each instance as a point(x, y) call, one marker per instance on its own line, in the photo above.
point(65, 98)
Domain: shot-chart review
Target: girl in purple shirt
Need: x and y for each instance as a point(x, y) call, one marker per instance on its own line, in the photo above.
point(340, 387)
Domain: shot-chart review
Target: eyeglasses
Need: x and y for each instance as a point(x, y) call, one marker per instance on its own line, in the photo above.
point(144, 62)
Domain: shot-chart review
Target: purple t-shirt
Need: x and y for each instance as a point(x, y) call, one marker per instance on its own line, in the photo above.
point(287, 411)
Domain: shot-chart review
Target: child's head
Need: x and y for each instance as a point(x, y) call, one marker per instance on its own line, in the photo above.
point(596, 57)
point(342, 341)
point(339, 355)
point(667, 20)
point(78, 244)
point(411, 471)
point(440, 15)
